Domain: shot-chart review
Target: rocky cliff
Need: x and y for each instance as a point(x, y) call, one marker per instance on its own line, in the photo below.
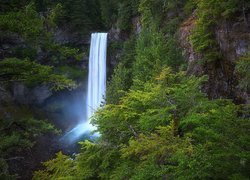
point(233, 38)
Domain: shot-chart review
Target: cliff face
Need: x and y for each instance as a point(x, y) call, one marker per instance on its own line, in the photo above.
point(233, 38)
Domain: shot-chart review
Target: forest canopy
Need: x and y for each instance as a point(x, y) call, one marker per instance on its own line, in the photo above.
point(157, 121)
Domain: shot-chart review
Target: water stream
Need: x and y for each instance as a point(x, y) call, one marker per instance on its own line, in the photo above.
point(96, 86)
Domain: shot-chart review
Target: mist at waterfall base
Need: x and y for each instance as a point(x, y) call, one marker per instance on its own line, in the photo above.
point(96, 90)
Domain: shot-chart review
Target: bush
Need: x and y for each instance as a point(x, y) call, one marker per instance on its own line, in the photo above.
point(243, 70)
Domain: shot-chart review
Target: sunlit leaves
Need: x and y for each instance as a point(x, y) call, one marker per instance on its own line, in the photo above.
point(96, 161)
point(167, 128)
point(62, 167)
point(163, 126)
point(150, 56)
point(153, 153)
point(220, 136)
point(118, 84)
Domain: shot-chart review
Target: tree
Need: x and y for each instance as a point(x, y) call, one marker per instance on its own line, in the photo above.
point(168, 129)
point(32, 73)
point(18, 133)
point(61, 167)
point(220, 142)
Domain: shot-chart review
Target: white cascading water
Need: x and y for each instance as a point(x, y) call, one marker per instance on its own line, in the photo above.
point(97, 72)
point(96, 85)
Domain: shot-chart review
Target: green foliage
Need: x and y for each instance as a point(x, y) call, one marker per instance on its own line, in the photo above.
point(108, 11)
point(152, 105)
point(18, 133)
point(72, 72)
point(126, 11)
point(209, 14)
point(243, 69)
point(25, 22)
point(174, 58)
point(190, 6)
point(145, 10)
point(124, 14)
point(35, 30)
point(157, 123)
point(70, 52)
point(153, 54)
point(121, 79)
point(32, 73)
point(153, 153)
point(118, 84)
point(93, 162)
point(80, 15)
point(24, 131)
point(150, 56)
point(96, 161)
point(120, 12)
point(28, 23)
point(58, 54)
point(62, 167)
point(154, 14)
point(220, 139)
point(24, 52)
point(167, 128)
point(12, 5)
point(156, 46)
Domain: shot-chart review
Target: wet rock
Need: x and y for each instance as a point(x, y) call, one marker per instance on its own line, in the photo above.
point(114, 34)
point(233, 39)
point(30, 96)
point(64, 36)
point(137, 27)
point(40, 93)
point(8, 42)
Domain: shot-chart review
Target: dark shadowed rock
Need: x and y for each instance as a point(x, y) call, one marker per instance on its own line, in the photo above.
point(30, 96)
point(193, 58)
point(233, 39)
point(5, 95)
point(64, 36)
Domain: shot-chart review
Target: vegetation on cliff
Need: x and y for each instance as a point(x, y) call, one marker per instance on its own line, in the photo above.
point(157, 122)
point(28, 56)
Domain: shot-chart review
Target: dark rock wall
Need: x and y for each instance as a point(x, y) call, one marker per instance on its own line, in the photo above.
point(233, 38)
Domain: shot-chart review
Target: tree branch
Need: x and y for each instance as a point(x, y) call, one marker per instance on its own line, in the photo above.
point(14, 158)
point(133, 131)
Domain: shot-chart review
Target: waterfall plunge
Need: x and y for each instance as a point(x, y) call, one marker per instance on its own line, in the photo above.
point(97, 72)
point(96, 85)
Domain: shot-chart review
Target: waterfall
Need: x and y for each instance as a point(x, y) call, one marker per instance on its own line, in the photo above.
point(97, 72)
point(96, 86)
